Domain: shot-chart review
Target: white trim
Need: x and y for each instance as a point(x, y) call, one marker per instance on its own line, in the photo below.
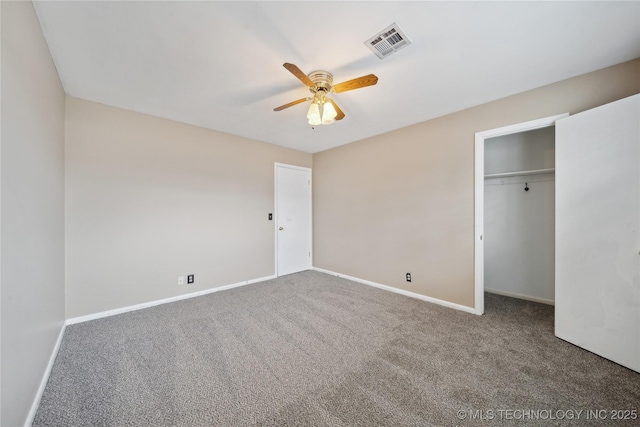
point(276, 165)
point(522, 127)
point(478, 251)
point(479, 195)
point(275, 217)
point(399, 291)
point(135, 307)
point(45, 378)
point(258, 280)
point(520, 296)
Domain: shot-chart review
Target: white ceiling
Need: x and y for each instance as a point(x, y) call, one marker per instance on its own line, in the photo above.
point(219, 64)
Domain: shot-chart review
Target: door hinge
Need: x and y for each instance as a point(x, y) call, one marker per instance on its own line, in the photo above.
point(309, 254)
point(308, 182)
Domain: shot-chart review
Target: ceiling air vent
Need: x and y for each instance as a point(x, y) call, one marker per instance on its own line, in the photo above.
point(388, 41)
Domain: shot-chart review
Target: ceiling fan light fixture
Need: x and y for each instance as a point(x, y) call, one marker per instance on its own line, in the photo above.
point(328, 113)
point(314, 114)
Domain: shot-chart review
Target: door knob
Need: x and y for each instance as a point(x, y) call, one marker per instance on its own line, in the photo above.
point(281, 228)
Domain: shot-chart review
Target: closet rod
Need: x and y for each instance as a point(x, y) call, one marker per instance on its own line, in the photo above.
point(520, 173)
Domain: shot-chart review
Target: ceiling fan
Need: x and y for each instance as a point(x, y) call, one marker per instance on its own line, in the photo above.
point(323, 110)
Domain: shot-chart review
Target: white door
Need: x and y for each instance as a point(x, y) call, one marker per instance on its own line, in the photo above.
point(597, 231)
point(293, 219)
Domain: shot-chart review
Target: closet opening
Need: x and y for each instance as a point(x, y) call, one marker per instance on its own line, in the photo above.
point(519, 215)
point(515, 212)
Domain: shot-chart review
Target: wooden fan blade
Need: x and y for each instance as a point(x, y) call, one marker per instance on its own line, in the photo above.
point(340, 114)
point(291, 104)
point(299, 74)
point(364, 81)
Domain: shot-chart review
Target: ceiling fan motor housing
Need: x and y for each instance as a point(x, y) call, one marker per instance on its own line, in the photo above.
point(322, 79)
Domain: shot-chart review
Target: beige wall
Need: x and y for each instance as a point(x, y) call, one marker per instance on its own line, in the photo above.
point(32, 213)
point(148, 199)
point(403, 201)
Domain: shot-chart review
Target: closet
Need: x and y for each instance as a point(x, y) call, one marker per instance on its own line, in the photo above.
point(519, 215)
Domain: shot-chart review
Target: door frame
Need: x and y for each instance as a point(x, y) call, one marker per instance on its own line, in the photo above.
point(479, 195)
point(276, 165)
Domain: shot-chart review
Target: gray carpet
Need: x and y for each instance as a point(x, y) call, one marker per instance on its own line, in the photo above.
point(311, 349)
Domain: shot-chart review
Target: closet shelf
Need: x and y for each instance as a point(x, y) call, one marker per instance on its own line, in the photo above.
point(520, 173)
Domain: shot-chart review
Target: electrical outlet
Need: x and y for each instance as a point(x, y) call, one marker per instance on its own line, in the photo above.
point(180, 280)
point(408, 277)
point(191, 278)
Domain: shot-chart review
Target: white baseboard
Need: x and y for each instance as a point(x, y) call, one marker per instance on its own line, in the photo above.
point(261, 279)
point(45, 378)
point(141, 306)
point(520, 296)
point(400, 291)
